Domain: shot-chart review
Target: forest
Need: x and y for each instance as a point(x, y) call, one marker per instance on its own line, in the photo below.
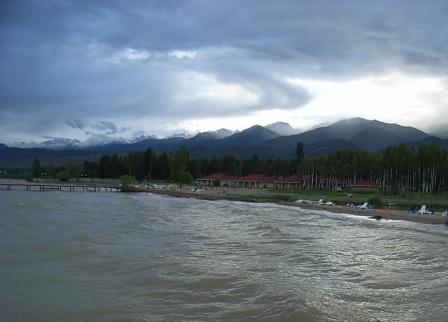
point(396, 169)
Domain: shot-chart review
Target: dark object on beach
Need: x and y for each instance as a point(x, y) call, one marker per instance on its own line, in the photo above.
point(377, 217)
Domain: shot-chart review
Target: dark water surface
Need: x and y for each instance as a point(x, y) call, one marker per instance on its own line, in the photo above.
point(139, 257)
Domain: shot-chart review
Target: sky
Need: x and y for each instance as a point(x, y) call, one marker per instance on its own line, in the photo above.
point(93, 70)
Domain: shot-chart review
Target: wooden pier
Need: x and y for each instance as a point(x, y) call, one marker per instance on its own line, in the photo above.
point(58, 187)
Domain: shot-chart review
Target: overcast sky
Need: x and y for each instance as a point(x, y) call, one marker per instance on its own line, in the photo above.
point(89, 69)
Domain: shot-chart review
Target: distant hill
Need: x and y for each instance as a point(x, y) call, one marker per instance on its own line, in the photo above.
point(355, 133)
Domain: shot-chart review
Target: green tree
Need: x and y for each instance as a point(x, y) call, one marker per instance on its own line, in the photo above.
point(104, 167)
point(163, 167)
point(149, 161)
point(185, 177)
point(300, 153)
point(136, 165)
point(178, 164)
point(51, 169)
point(74, 169)
point(63, 176)
point(35, 168)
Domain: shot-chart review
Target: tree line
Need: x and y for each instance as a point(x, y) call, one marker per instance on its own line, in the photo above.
point(396, 169)
point(177, 166)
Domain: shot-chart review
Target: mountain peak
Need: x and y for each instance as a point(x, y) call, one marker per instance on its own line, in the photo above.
point(282, 128)
point(253, 135)
point(253, 127)
point(221, 133)
point(353, 121)
point(346, 128)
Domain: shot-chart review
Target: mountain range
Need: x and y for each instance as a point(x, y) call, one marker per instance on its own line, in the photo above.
point(274, 140)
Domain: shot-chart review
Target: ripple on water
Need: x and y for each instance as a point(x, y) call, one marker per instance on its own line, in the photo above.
point(75, 256)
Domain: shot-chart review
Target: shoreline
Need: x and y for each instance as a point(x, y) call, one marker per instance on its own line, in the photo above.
point(260, 196)
point(371, 213)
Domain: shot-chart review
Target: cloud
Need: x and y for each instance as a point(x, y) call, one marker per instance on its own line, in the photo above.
point(77, 124)
point(107, 127)
point(108, 67)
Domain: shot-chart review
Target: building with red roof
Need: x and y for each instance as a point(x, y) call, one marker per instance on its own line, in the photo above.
point(256, 181)
point(250, 181)
point(291, 182)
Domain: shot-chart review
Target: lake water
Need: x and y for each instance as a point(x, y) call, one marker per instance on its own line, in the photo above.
point(140, 257)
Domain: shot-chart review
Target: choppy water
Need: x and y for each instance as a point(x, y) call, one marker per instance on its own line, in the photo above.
point(125, 257)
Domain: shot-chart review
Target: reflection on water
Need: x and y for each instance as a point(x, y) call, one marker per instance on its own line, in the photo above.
point(114, 257)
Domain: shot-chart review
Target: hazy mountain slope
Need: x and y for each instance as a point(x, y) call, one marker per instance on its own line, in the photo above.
point(432, 140)
point(201, 138)
point(378, 135)
point(407, 133)
point(253, 135)
point(268, 150)
point(308, 137)
point(374, 139)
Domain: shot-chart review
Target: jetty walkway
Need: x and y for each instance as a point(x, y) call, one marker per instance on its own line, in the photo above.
point(58, 187)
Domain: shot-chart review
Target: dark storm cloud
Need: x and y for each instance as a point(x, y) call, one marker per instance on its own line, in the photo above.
point(80, 63)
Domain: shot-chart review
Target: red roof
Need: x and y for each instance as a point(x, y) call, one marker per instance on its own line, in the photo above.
point(365, 183)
